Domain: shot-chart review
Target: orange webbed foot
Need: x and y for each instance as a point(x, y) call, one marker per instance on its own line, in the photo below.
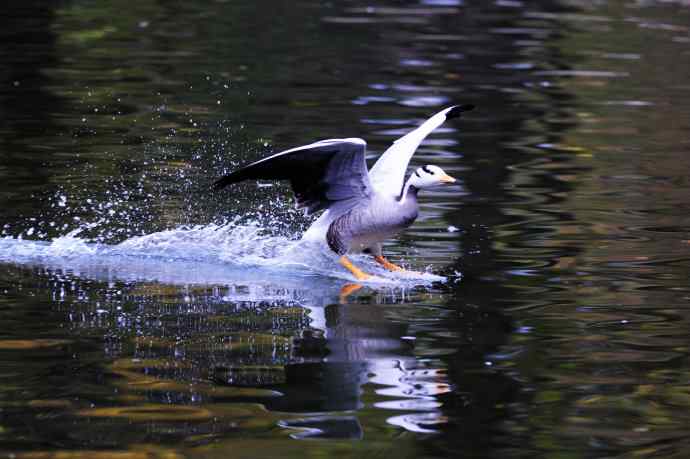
point(380, 259)
point(358, 273)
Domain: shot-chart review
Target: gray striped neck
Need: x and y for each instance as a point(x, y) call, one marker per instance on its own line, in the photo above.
point(409, 192)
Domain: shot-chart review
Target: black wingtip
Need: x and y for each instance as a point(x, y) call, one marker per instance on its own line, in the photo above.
point(457, 110)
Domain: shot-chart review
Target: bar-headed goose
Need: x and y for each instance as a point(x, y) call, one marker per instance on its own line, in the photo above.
point(362, 207)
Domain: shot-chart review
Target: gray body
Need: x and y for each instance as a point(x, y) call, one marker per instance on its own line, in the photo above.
point(364, 227)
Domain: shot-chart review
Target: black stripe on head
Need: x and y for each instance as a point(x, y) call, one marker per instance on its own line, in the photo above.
point(427, 170)
point(417, 173)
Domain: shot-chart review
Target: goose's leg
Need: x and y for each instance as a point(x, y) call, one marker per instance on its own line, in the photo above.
point(377, 251)
point(380, 259)
point(358, 273)
point(340, 243)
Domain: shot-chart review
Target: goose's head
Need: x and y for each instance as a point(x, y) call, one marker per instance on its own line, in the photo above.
point(428, 176)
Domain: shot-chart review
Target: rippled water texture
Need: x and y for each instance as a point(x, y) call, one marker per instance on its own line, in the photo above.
point(144, 316)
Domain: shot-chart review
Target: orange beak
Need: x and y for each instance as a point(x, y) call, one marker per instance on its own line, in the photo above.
point(445, 178)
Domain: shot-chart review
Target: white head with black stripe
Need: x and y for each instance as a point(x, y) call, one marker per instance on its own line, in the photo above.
point(428, 176)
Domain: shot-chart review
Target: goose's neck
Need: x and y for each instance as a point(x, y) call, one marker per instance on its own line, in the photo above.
point(408, 193)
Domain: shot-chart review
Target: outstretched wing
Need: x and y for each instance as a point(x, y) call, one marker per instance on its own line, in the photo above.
point(321, 174)
point(388, 173)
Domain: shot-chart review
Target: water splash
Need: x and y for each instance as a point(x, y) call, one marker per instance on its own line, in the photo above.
point(199, 254)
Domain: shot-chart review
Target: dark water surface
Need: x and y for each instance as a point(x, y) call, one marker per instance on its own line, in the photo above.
point(143, 317)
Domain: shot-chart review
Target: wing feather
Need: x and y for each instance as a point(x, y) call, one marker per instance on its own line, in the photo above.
point(388, 173)
point(320, 174)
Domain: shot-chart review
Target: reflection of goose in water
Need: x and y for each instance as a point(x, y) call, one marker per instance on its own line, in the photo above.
point(363, 207)
point(366, 358)
point(344, 358)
